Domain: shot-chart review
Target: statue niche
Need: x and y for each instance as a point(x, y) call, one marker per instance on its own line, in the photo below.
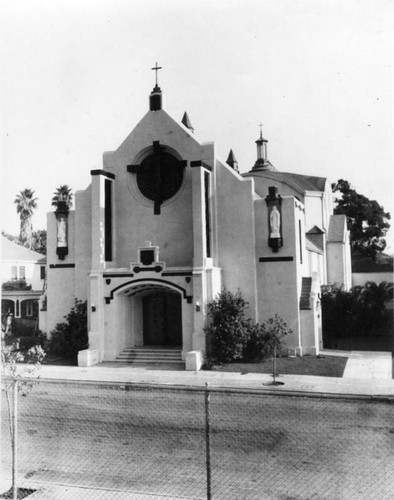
point(274, 205)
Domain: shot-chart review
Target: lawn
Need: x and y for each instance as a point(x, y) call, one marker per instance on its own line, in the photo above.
point(321, 366)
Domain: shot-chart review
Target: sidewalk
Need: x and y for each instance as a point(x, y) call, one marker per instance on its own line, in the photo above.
point(366, 374)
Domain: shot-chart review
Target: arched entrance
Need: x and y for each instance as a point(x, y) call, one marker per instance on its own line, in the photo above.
point(152, 314)
point(162, 319)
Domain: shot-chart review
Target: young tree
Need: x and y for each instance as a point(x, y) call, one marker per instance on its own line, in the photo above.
point(62, 196)
point(25, 204)
point(367, 221)
point(18, 380)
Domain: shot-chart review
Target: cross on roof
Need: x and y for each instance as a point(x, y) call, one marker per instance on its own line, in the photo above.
point(156, 68)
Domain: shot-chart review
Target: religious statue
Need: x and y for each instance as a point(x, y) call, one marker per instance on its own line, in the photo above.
point(62, 232)
point(274, 223)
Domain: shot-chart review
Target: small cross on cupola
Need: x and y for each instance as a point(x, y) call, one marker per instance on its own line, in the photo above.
point(156, 68)
point(262, 162)
point(155, 98)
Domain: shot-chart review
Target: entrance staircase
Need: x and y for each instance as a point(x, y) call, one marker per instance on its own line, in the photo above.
point(150, 355)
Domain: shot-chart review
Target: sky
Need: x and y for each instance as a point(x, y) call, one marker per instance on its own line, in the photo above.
point(318, 74)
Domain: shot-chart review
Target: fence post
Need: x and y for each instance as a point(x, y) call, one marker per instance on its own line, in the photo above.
point(15, 441)
point(208, 442)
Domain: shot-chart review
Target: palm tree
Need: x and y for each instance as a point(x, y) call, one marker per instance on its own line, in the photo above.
point(62, 198)
point(25, 204)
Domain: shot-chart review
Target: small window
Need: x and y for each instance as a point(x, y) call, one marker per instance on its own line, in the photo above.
point(14, 273)
point(42, 272)
point(22, 272)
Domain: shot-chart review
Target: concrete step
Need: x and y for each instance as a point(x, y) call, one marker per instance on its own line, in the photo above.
point(150, 355)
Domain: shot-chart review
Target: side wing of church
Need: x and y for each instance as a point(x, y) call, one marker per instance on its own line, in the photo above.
point(165, 225)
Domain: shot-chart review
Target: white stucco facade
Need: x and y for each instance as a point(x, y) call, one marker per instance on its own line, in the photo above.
point(165, 224)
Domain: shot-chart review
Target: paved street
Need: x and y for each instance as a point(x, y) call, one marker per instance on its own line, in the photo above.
point(153, 441)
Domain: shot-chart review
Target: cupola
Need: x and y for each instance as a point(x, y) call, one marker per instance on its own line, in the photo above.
point(262, 162)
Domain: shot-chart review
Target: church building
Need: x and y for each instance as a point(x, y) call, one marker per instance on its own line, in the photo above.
point(166, 224)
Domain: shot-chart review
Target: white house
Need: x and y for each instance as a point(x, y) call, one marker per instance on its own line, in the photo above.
point(22, 266)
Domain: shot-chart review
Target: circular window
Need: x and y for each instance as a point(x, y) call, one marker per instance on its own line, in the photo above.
point(160, 176)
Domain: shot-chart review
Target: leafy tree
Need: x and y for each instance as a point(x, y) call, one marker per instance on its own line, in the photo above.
point(25, 204)
point(62, 195)
point(366, 219)
point(39, 241)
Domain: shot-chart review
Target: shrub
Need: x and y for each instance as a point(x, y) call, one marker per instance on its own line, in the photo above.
point(16, 285)
point(231, 336)
point(360, 311)
point(71, 336)
point(228, 332)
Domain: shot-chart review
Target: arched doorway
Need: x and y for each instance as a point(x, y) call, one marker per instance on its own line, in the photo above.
point(162, 319)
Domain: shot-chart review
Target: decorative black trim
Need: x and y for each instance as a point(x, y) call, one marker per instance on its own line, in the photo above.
point(108, 220)
point(159, 176)
point(159, 281)
point(276, 259)
point(207, 194)
point(189, 299)
point(117, 275)
point(180, 273)
point(200, 163)
point(61, 266)
point(107, 281)
point(61, 252)
point(156, 269)
point(104, 173)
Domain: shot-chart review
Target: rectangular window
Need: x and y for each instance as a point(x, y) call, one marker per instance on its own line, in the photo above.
point(108, 219)
point(22, 272)
point(207, 213)
point(300, 238)
point(14, 273)
point(42, 272)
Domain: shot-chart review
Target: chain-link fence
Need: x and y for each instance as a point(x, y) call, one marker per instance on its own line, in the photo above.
point(95, 441)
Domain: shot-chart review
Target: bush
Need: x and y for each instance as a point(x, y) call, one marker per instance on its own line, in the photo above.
point(24, 327)
point(228, 332)
point(358, 312)
point(232, 336)
point(15, 285)
point(71, 336)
